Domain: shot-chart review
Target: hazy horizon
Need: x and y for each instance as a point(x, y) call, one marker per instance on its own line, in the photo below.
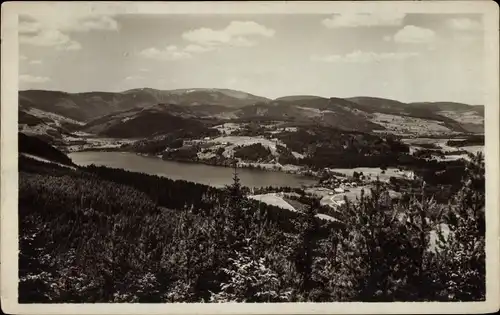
point(405, 57)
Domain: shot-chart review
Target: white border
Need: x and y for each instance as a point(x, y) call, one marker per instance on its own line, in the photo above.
point(9, 175)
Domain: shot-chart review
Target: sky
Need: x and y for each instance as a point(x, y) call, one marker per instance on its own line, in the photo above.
point(407, 57)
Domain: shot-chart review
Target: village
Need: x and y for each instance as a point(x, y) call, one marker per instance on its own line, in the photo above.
point(333, 188)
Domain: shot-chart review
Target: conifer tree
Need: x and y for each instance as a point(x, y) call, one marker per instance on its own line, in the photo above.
point(304, 255)
point(462, 260)
point(235, 189)
point(236, 213)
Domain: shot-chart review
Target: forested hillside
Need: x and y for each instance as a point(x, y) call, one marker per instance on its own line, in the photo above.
point(117, 111)
point(34, 146)
point(104, 235)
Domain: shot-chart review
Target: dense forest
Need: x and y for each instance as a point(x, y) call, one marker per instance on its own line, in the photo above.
point(35, 146)
point(255, 152)
point(97, 234)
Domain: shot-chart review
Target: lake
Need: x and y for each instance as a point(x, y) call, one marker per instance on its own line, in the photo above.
point(200, 173)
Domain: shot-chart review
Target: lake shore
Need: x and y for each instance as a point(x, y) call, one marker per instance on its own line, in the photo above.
point(270, 167)
point(216, 176)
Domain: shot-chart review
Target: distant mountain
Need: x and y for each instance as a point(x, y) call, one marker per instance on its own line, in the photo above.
point(448, 106)
point(292, 98)
point(327, 112)
point(201, 96)
point(132, 113)
point(80, 106)
point(146, 122)
point(90, 105)
point(471, 118)
point(449, 113)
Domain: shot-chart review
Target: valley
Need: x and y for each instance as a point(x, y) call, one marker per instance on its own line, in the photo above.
point(283, 158)
point(329, 142)
point(243, 157)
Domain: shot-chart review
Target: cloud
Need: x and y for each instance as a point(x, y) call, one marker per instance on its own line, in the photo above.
point(463, 24)
point(169, 53)
point(50, 38)
point(237, 33)
point(363, 57)
point(414, 34)
point(67, 20)
point(364, 20)
point(197, 48)
point(35, 62)
point(27, 78)
point(52, 28)
point(134, 78)
point(173, 52)
point(29, 27)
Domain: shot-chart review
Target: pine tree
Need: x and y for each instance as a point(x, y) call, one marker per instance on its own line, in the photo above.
point(235, 189)
point(462, 261)
point(235, 213)
point(304, 255)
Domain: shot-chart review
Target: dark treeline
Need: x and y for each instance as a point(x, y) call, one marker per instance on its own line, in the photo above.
point(254, 152)
point(105, 235)
point(327, 147)
point(470, 140)
point(180, 194)
point(33, 145)
point(172, 140)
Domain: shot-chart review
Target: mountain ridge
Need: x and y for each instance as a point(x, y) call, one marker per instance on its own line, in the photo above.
point(109, 113)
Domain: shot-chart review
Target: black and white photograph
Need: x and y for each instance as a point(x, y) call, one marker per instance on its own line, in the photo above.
point(250, 156)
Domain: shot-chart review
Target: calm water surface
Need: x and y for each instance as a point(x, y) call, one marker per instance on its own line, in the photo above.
point(200, 173)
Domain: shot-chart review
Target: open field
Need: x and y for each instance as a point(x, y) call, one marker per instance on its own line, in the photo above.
point(276, 199)
point(372, 172)
point(469, 117)
point(416, 144)
point(404, 125)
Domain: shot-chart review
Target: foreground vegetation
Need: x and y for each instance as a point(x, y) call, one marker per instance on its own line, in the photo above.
point(105, 235)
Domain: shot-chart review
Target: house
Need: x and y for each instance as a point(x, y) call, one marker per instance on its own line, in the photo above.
point(410, 175)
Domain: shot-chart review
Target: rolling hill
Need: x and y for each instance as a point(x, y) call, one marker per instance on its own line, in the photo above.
point(46, 125)
point(90, 105)
point(298, 98)
point(144, 112)
point(471, 118)
point(147, 122)
point(327, 112)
